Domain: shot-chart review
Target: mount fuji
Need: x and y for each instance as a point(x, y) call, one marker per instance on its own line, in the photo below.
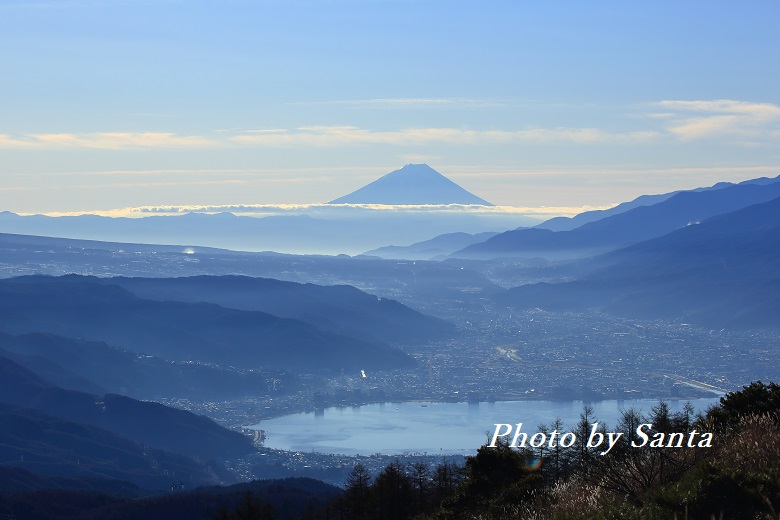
point(412, 184)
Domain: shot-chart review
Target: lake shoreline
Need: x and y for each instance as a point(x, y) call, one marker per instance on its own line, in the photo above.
point(418, 426)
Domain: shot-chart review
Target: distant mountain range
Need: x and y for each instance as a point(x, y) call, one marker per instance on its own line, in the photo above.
point(412, 184)
point(569, 223)
point(323, 229)
point(721, 272)
point(533, 242)
point(309, 229)
point(436, 248)
point(423, 285)
point(621, 229)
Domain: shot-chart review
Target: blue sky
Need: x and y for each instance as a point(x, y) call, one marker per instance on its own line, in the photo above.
point(112, 104)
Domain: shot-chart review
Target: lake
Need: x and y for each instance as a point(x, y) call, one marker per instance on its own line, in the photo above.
point(432, 428)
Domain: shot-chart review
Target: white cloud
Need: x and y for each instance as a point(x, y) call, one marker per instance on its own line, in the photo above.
point(746, 121)
point(315, 136)
point(767, 110)
point(7, 141)
point(343, 210)
point(408, 103)
point(328, 136)
point(105, 141)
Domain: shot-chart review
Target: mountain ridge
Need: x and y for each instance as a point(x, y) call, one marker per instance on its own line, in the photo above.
point(633, 226)
point(341, 309)
point(719, 273)
point(569, 223)
point(91, 308)
point(437, 247)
